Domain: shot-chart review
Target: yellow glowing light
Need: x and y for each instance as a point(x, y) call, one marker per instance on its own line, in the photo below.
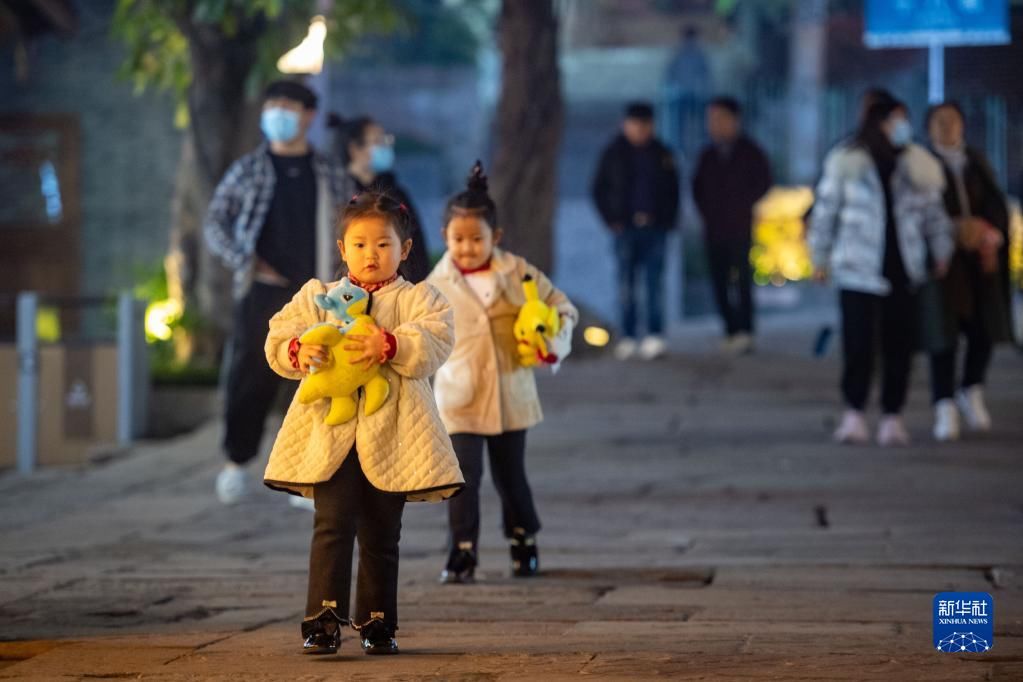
point(779, 252)
point(1016, 242)
point(307, 56)
point(48, 324)
point(596, 336)
point(160, 318)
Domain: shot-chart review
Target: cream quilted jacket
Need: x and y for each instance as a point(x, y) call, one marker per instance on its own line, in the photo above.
point(403, 447)
point(482, 388)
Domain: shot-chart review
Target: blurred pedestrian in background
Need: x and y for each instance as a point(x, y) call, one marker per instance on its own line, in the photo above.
point(271, 221)
point(366, 151)
point(878, 225)
point(636, 191)
point(688, 72)
point(974, 299)
point(732, 174)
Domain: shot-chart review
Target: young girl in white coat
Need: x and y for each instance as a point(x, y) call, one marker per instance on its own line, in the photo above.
point(485, 396)
point(360, 473)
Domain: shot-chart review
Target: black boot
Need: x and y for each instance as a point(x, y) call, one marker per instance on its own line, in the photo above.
point(378, 638)
point(524, 556)
point(461, 566)
point(322, 632)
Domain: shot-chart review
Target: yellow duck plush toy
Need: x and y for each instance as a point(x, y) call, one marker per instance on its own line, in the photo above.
point(340, 380)
point(536, 325)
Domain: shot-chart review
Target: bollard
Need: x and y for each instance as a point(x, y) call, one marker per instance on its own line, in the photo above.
point(132, 374)
point(28, 381)
point(125, 367)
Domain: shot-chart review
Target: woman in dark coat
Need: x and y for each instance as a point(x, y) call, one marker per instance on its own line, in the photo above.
point(367, 153)
point(974, 297)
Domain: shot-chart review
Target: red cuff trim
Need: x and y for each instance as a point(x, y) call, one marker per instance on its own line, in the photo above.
point(390, 347)
point(293, 347)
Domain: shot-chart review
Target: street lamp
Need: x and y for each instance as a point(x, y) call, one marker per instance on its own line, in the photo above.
point(307, 56)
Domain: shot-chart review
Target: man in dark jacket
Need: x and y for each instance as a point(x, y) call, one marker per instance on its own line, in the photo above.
point(731, 175)
point(636, 193)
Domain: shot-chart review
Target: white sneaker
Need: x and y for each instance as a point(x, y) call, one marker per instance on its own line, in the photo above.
point(742, 344)
point(232, 483)
point(652, 347)
point(852, 429)
point(626, 348)
point(737, 344)
point(946, 421)
point(971, 403)
point(305, 503)
point(891, 432)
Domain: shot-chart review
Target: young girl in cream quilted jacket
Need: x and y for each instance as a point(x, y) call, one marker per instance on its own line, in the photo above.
point(485, 396)
point(360, 472)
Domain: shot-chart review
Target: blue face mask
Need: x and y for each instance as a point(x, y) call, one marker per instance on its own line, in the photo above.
point(279, 124)
point(381, 158)
point(901, 134)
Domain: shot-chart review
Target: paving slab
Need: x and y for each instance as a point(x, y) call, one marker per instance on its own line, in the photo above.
point(698, 525)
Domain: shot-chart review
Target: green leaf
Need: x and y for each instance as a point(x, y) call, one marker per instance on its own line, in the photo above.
point(157, 52)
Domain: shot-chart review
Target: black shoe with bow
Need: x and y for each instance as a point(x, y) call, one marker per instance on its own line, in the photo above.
point(461, 567)
point(524, 556)
point(378, 638)
point(322, 632)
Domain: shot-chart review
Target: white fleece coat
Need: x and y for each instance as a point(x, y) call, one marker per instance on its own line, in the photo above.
point(846, 232)
point(403, 447)
point(482, 388)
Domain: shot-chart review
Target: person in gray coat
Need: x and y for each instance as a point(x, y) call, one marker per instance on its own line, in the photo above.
point(877, 228)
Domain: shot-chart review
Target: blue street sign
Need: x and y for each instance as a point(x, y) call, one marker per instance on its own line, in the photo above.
point(923, 23)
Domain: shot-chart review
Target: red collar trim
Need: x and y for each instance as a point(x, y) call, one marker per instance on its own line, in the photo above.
point(376, 286)
point(482, 268)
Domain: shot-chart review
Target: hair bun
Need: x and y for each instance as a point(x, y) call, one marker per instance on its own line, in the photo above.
point(477, 180)
point(335, 120)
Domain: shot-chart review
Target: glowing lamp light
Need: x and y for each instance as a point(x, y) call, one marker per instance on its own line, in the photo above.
point(1016, 241)
point(307, 56)
point(48, 324)
point(779, 252)
point(160, 317)
point(596, 336)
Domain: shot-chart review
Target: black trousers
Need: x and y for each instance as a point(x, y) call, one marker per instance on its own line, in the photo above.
point(978, 356)
point(865, 319)
point(349, 507)
point(252, 387)
point(508, 469)
point(731, 275)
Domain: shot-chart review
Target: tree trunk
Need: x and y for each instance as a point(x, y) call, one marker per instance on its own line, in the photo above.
point(221, 128)
point(528, 128)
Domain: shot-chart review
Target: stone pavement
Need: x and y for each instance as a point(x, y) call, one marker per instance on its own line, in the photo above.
point(698, 525)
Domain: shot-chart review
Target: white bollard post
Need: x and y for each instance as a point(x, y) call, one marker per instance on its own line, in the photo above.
point(125, 367)
point(28, 381)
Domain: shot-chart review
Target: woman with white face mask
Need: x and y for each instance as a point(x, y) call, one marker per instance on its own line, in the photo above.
point(974, 300)
point(877, 230)
point(367, 153)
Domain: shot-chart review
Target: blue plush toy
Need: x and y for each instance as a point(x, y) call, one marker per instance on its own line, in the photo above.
point(341, 302)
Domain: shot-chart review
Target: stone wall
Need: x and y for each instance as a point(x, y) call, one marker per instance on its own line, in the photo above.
point(129, 146)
